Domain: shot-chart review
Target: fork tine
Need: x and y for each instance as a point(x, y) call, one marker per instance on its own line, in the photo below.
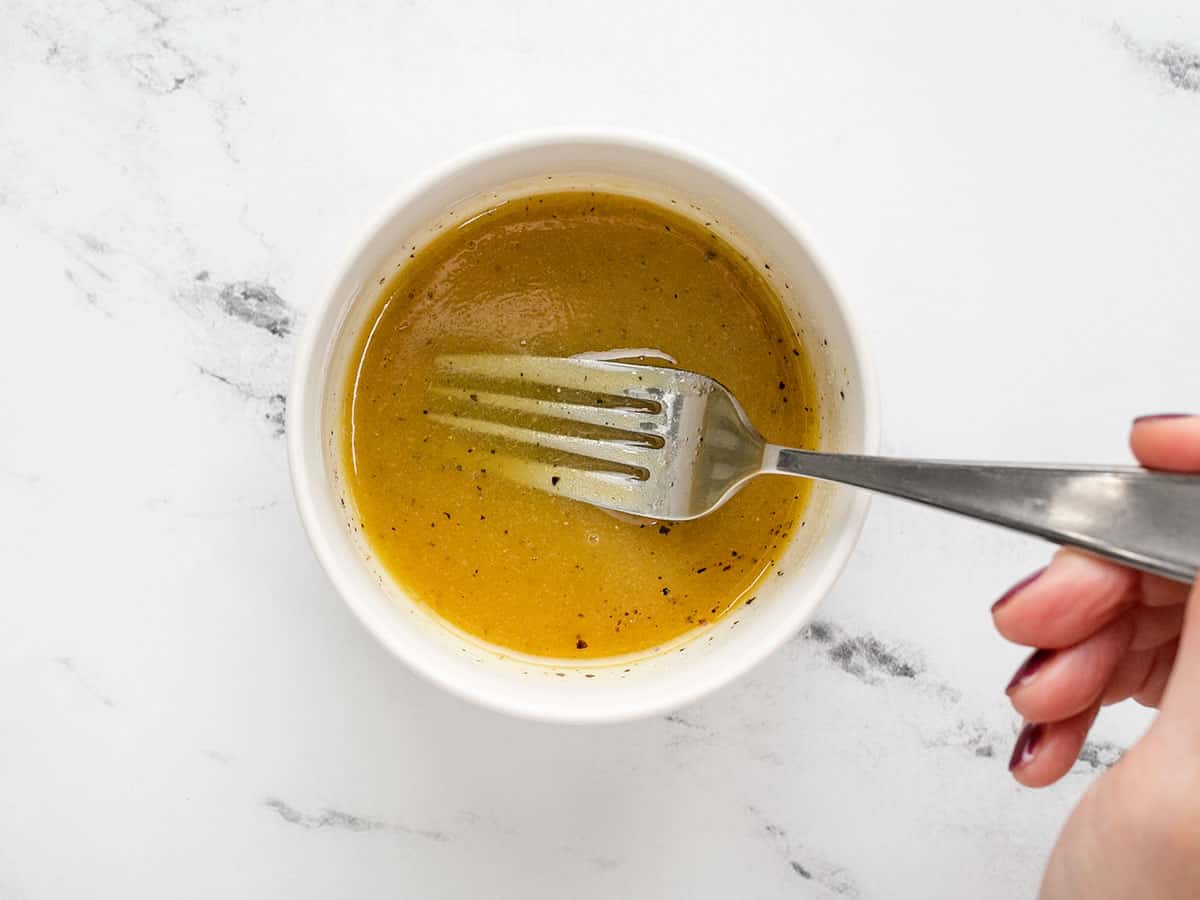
point(576, 374)
point(613, 451)
point(614, 490)
point(637, 422)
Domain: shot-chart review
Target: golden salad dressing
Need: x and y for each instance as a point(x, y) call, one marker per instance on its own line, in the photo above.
point(559, 274)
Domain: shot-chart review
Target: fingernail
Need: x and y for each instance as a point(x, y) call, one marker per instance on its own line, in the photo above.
point(1026, 746)
point(1029, 668)
point(1161, 417)
point(1016, 588)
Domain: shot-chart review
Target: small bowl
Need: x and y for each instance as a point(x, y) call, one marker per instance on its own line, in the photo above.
point(605, 690)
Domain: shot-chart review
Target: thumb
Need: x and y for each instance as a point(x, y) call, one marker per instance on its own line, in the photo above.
point(1172, 442)
point(1180, 707)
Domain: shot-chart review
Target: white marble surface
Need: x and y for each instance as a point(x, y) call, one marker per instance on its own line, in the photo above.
point(1008, 194)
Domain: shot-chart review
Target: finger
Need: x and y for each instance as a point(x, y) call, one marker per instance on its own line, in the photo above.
point(1155, 625)
point(1045, 752)
point(1169, 442)
point(1053, 685)
point(1159, 591)
point(1073, 598)
point(1150, 693)
point(1129, 676)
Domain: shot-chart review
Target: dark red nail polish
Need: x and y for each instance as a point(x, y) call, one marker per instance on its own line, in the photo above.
point(1035, 661)
point(1012, 591)
point(1026, 746)
point(1161, 417)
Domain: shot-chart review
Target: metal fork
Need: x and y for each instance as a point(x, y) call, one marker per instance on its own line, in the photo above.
point(673, 445)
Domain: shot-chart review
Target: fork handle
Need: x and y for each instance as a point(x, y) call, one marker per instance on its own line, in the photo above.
point(1143, 519)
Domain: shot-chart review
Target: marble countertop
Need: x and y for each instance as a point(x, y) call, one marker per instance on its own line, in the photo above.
point(1007, 194)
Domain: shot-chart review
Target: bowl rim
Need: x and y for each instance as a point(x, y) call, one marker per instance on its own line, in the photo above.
point(310, 351)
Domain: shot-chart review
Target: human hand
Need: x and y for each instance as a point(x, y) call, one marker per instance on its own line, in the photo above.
point(1105, 634)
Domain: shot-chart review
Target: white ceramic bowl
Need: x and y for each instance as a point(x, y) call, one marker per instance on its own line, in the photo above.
point(566, 691)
